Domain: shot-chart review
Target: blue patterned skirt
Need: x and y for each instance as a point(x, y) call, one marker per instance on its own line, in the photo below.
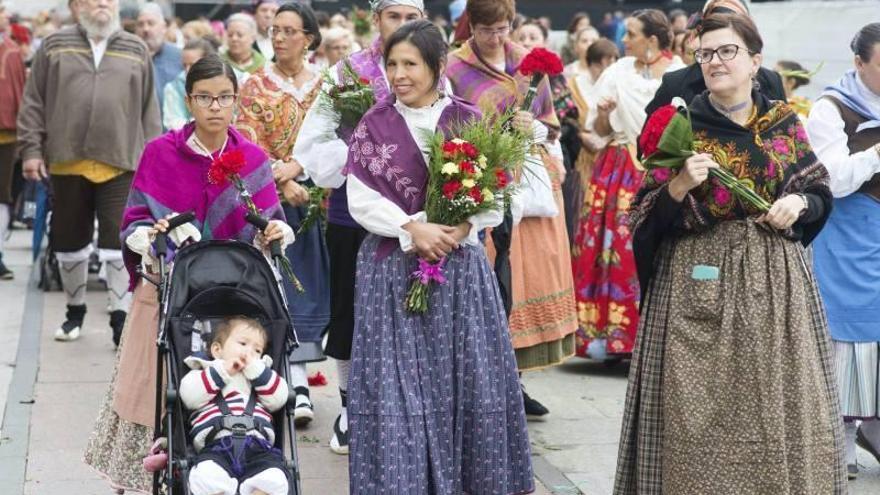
point(435, 405)
point(310, 310)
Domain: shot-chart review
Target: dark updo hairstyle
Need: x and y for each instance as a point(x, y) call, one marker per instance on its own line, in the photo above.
point(310, 22)
point(655, 23)
point(799, 76)
point(742, 25)
point(865, 40)
point(208, 67)
point(427, 38)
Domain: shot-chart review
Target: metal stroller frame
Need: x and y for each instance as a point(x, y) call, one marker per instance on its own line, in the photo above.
point(180, 453)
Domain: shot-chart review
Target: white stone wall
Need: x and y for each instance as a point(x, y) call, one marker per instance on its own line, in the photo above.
point(810, 32)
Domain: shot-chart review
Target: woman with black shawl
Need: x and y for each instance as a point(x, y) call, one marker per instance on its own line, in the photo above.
point(731, 388)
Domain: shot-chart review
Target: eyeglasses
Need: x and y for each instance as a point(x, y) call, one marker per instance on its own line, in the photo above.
point(491, 33)
point(725, 53)
point(287, 32)
point(205, 101)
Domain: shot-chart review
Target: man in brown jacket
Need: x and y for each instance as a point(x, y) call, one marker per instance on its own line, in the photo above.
point(12, 74)
point(89, 106)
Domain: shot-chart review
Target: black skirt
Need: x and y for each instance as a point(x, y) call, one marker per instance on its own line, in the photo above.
point(343, 244)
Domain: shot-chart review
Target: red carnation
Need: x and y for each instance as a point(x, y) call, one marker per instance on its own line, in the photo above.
point(467, 167)
point(476, 195)
point(541, 61)
point(451, 188)
point(469, 150)
point(227, 164)
point(654, 127)
point(364, 81)
point(450, 148)
point(502, 178)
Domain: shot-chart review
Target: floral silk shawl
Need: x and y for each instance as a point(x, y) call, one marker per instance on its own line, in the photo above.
point(270, 115)
point(477, 81)
point(771, 153)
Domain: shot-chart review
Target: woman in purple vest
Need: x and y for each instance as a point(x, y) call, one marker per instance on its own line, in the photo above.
point(435, 405)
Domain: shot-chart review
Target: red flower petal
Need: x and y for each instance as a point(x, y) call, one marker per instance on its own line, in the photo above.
point(541, 60)
point(654, 128)
point(451, 188)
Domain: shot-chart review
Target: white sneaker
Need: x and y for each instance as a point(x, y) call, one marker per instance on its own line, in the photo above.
point(303, 413)
point(339, 440)
point(65, 335)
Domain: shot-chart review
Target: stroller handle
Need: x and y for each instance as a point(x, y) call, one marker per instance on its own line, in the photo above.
point(173, 223)
point(261, 223)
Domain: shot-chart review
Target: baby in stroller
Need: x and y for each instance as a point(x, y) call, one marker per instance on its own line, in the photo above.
point(232, 398)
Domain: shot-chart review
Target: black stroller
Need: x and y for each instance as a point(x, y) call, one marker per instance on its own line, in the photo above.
point(211, 280)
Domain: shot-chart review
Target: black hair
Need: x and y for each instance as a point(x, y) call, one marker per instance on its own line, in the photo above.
point(208, 67)
point(427, 38)
point(864, 41)
point(310, 22)
point(541, 27)
point(742, 25)
point(322, 18)
point(800, 78)
point(655, 23)
point(202, 44)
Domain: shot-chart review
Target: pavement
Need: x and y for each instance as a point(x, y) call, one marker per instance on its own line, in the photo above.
point(50, 393)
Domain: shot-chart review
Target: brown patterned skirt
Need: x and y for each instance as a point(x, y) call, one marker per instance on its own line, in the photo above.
point(732, 388)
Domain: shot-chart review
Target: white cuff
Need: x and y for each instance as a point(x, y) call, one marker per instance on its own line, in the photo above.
point(139, 241)
point(186, 231)
point(404, 237)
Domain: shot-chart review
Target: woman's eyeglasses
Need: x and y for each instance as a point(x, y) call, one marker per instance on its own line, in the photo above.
point(205, 101)
point(725, 53)
point(287, 32)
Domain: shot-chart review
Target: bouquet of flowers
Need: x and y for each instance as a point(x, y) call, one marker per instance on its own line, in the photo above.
point(469, 174)
point(537, 64)
point(350, 98)
point(227, 167)
point(317, 208)
point(667, 141)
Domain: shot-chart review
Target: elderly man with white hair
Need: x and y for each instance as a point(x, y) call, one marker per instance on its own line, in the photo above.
point(152, 27)
point(241, 31)
point(322, 149)
point(89, 106)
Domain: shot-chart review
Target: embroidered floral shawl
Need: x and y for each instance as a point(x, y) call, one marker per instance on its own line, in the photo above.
point(386, 158)
point(171, 177)
point(479, 82)
point(771, 153)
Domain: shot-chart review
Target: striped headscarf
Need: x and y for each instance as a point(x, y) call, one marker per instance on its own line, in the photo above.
point(380, 5)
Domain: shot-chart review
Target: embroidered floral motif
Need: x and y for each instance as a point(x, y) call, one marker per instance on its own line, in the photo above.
point(377, 158)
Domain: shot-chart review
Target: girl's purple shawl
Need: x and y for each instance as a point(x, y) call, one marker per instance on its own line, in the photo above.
point(385, 157)
point(172, 177)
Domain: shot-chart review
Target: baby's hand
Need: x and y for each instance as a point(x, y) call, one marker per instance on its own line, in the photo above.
point(235, 366)
point(255, 367)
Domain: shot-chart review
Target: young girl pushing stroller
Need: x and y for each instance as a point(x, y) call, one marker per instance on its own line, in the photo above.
point(232, 398)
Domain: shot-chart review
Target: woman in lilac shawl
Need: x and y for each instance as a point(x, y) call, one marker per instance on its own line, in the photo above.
point(434, 400)
point(173, 178)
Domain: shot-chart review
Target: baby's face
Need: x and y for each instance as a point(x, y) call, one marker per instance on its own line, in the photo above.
point(243, 342)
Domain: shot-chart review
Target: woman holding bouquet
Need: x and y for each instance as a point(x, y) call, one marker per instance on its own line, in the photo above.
point(172, 177)
point(435, 405)
point(273, 104)
point(484, 71)
point(606, 286)
point(731, 388)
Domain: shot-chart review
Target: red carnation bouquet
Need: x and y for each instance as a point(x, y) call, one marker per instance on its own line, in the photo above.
point(470, 174)
point(227, 167)
point(350, 98)
point(667, 141)
point(538, 63)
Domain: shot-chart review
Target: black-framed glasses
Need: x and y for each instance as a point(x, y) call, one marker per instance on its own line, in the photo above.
point(725, 53)
point(205, 101)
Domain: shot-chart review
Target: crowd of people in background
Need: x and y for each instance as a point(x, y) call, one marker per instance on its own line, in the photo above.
point(615, 262)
